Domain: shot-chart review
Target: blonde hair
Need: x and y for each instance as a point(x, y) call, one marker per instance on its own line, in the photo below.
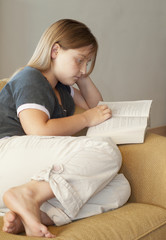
point(69, 34)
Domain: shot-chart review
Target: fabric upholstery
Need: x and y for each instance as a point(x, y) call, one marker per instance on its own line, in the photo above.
point(143, 217)
point(3, 82)
point(144, 165)
point(130, 222)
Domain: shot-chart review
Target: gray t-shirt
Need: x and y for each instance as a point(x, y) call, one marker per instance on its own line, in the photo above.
point(30, 89)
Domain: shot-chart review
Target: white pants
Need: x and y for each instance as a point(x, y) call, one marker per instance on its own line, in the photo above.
point(82, 173)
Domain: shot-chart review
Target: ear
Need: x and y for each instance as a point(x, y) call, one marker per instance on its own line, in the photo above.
point(55, 50)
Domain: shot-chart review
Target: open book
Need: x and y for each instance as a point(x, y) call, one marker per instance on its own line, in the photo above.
point(128, 123)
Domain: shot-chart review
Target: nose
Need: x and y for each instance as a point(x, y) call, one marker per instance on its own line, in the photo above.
point(83, 68)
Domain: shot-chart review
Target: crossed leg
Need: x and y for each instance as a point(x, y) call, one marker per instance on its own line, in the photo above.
point(13, 223)
point(24, 202)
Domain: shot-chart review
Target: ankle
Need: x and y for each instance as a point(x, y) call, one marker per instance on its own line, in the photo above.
point(31, 191)
point(42, 190)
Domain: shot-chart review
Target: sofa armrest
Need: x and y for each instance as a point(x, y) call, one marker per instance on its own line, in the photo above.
point(144, 165)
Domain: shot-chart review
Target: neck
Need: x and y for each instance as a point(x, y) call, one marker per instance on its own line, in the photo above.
point(50, 78)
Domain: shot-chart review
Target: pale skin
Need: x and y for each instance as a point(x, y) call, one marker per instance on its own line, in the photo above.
point(69, 67)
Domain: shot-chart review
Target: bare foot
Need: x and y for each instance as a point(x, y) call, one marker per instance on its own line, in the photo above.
point(12, 223)
point(24, 202)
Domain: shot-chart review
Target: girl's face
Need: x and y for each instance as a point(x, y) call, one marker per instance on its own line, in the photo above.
point(70, 65)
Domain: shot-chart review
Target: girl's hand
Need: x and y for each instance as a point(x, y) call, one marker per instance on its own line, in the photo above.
point(36, 122)
point(97, 115)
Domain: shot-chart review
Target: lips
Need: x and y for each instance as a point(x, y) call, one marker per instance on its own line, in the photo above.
point(76, 77)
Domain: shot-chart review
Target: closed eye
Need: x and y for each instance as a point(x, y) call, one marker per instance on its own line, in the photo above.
point(88, 62)
point(79, 61)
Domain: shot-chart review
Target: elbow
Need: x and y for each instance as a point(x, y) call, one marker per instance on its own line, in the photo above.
point(38, 130)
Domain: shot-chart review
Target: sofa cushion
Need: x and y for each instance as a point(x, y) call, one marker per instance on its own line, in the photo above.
point(130, 222)
point(3, 82)
point(144, 166)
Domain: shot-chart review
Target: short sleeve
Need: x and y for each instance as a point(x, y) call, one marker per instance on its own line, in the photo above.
point(32, 90)
point(32, 106)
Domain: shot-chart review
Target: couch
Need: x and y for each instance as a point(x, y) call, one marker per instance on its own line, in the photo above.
point(142, 217)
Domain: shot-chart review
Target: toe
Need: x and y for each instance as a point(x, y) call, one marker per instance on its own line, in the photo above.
point(49, 235)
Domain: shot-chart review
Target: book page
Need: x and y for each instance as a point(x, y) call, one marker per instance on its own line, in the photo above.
point(117, 124)
point(122, 130)
point(129, 108)
point(133, 136)
point(127, 124)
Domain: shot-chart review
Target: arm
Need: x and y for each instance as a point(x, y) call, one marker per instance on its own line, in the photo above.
point(88, 95)
point(36, 122)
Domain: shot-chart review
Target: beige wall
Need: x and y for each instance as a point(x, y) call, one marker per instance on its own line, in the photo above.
point(131, 35)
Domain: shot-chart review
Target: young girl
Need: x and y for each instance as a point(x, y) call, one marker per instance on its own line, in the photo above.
point(39, 101)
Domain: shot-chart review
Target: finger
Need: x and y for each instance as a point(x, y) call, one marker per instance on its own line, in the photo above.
point(107, 111)
point(108, 115)
point(104, 106)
